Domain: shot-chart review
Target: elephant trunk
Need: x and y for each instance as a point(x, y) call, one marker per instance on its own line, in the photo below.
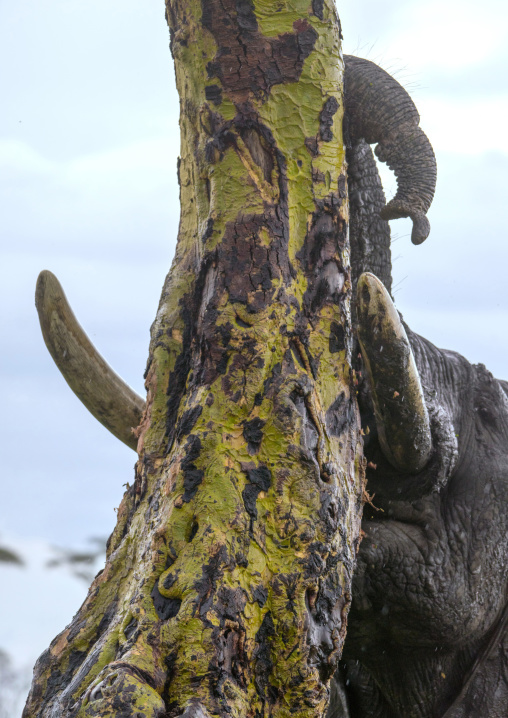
point(379, 110)
point(369, 233)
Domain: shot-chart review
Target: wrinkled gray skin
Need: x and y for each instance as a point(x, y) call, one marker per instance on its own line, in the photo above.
point(427, 633)
point(429, 593)
point(379, 110)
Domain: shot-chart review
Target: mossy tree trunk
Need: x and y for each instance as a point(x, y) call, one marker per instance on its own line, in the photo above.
point(227, 582)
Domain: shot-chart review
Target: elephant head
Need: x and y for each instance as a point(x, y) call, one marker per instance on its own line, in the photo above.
point(427, 633)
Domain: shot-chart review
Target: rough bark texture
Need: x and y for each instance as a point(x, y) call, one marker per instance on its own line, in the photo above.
point(227, 582)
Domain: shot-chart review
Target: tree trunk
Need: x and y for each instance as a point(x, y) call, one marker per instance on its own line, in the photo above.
point(227, 582)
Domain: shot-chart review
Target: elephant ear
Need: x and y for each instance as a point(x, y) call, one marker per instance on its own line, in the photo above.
point(379, 110)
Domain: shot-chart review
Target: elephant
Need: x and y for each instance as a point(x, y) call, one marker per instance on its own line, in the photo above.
point(427, 632)
point(427, 629)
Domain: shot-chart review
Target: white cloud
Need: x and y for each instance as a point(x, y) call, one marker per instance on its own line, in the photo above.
point(18, 158)
point(466, 126)
point(449, 34)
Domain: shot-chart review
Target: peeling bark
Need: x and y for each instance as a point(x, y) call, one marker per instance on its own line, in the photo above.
point(228, 576)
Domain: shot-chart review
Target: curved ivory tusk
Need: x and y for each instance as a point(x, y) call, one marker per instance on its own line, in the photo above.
point(94, 382)
point(399, 405)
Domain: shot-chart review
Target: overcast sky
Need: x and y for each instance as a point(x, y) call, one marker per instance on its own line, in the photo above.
point(88, 146)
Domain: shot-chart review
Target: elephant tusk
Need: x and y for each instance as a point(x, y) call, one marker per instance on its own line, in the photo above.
point(399, 405)
point(379, 110)
point(104, 393)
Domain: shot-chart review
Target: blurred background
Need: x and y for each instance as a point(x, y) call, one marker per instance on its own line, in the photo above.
point(88, 145)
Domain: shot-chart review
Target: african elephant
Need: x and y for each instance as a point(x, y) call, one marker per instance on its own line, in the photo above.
point(427, 632)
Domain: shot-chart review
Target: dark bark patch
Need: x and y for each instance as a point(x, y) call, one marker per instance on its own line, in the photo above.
point(340, 415)
point(315, 562)
point(186, 423)
point(263, 663)
point(250, 495)
point(311, 143)
point(192, 476)
point(193, 531)
point(57, 680)
point(130, 628)
point(213, 93)
point(317, 8)
point(320, 257)
point(260, 479)
point(253, 434)
point(230, 661)
point(331, 513)
point(326, 119)
point(269, 384)
point(337, 341)
point(248, 267)
point(170, 580)
point(209, 227)
point(290, 583)
point(177, 381)
point(260, 594)
point(205, 587)
point(108, 616)
point(241, 559)
point(166, 608)
point(318, 176)
point(190, 305)
point(247, 61)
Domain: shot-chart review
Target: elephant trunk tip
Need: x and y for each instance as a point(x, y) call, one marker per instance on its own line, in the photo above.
point(395, 209)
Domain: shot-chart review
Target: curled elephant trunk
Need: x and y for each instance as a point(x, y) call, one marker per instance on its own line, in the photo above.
point(399, 406)
point(379, 110)
point(106, 396)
